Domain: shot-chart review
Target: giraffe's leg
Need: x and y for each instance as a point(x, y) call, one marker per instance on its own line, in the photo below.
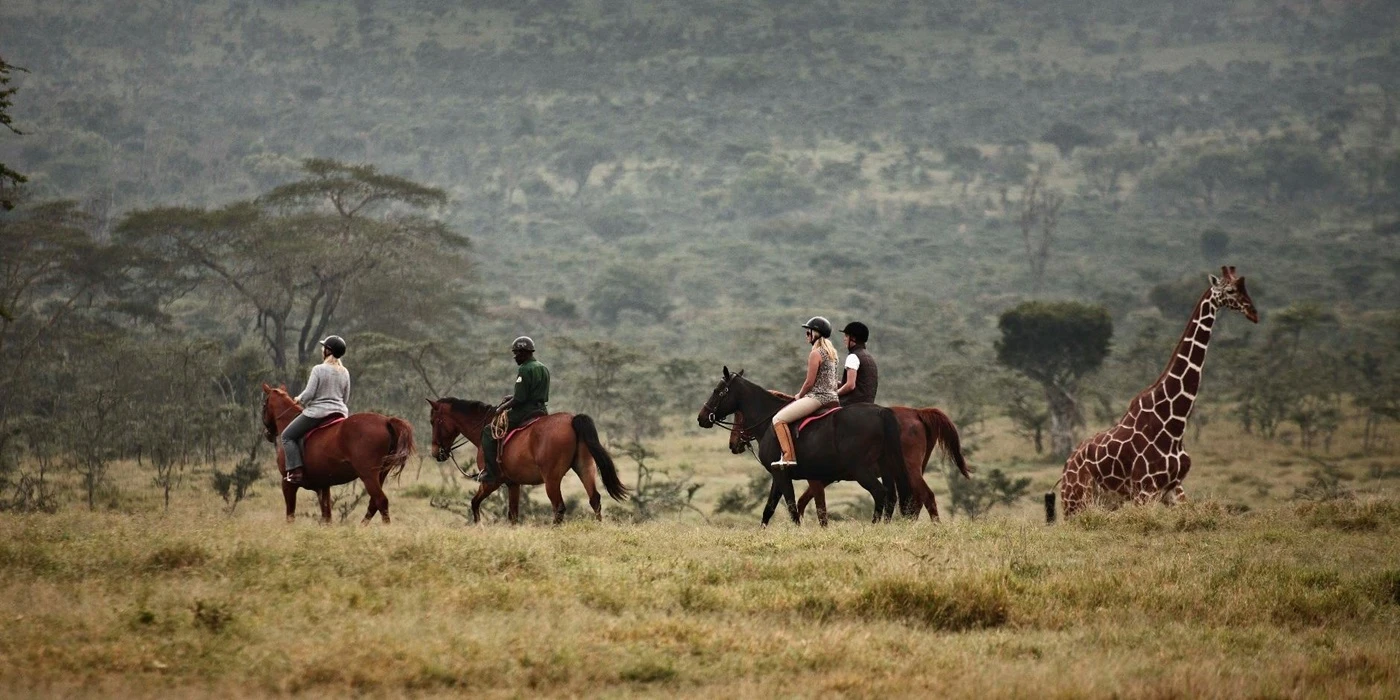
point(1144, 495)
point(1178, 495)
point(1074, 491)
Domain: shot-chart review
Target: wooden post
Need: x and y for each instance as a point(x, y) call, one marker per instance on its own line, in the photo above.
point(1049, 507)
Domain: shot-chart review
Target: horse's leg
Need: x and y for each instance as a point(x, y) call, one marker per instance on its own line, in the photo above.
point(556, 499)
point(289, 494)
point(930, 502)
point(325, 497)
point(791, 498)
point(384, 510)
point(514, 511)
point(377, 500)
point(871, 483)
point(587, 474)
point(923, 495)
point(814, 488)
point(774, 493)
point(891, 499)
point(485, 489)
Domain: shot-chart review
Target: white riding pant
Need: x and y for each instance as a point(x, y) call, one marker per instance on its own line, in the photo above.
point(797, 410)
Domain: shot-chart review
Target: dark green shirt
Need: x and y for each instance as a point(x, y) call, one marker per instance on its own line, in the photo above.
point(531, 391)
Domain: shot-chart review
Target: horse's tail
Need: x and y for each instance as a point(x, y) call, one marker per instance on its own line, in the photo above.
point(892, 458)
point(588, 433)
point(939, 430)
point(400, 444)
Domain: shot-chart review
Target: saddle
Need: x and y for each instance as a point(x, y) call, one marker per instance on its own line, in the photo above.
point(500, 450)
point(336, 418)
point(821, 413)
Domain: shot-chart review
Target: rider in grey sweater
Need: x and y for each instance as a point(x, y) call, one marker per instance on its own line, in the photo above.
point(327, 393)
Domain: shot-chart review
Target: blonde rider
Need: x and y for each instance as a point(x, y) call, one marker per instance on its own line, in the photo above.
point(818, 389)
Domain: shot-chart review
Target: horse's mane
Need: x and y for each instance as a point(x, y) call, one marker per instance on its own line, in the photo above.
point(465, 406)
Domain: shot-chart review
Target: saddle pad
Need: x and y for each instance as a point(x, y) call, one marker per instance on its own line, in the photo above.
point(820, 414)
point(338, 418)
point(511, 434)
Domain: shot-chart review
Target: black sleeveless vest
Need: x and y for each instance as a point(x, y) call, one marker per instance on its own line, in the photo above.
point(867, 379)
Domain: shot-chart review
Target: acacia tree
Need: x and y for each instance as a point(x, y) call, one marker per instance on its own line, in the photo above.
point(9, 179)
point(1056, 344)
point(52, 274)
point(294, 257)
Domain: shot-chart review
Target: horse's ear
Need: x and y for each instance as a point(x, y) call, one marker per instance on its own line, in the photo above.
point(726, 371)
point(266, 389)
point(431, 402)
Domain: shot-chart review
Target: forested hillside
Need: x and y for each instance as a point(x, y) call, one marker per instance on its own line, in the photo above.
point(655, 189)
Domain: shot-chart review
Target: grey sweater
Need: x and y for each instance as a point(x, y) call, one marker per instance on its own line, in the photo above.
point(326, 392)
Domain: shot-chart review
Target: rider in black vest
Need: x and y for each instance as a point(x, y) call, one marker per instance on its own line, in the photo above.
point(862, 377)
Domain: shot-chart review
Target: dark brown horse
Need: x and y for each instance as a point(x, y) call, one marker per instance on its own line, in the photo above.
point(366, 446)
point(540, 453)
point(860, 443)
point(920, 431)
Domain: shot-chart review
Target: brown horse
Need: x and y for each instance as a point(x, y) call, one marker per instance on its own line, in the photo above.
point(366, 446)
point(541, 453)
point(920, 431)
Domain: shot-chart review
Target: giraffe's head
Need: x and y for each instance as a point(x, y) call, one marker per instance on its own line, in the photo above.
point(1228, 291)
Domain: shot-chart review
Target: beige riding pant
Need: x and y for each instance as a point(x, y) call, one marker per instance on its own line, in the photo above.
point(797, 410)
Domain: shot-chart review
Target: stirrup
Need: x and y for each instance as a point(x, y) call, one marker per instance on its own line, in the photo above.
point(781, 463)
point(300, 473)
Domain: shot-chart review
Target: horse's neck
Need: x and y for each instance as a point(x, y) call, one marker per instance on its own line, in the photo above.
point(758, 407)
point(470, 425)
point(285, 414)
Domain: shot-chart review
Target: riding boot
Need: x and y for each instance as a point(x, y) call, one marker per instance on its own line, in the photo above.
point(789, 457)
point(490, 470)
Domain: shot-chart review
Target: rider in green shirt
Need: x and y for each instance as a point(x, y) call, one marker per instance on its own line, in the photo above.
point(531, 399)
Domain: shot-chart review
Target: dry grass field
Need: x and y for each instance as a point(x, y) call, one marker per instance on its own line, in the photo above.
point(1246, 592)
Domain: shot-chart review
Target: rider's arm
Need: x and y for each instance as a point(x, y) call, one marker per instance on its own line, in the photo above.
point(311, 385)
point(852, 366)
point(814, 362)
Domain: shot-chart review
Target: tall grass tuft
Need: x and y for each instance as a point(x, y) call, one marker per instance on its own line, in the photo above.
point(970, 603)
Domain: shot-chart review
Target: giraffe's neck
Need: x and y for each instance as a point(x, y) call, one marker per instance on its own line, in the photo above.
point(1181, 382)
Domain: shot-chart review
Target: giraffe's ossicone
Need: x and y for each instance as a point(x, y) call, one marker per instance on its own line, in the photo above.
point(1141, 457)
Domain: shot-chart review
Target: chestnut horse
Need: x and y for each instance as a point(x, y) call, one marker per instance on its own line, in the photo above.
point(541, 453)
point(366, 446)
point(920, 431)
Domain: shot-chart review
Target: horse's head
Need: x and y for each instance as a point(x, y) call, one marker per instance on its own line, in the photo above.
point(1228, 291)
point(738, 438)
point(276, 401)
point(445, 429)
point(722, 401)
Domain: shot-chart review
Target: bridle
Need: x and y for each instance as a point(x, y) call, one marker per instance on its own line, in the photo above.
point(277, 417)
point(709, 411)
point(460, 440)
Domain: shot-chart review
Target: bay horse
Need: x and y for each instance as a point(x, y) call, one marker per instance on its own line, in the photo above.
point(921, 430)
point(860, 443)
point(540, 453)
point(367, 446)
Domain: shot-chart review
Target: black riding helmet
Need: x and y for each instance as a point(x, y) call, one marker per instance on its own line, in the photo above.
point(820, 325)
point(335, 344)
point(522, 344)
point(858, 331)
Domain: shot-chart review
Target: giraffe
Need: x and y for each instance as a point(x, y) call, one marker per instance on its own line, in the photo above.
point(1142, 457)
